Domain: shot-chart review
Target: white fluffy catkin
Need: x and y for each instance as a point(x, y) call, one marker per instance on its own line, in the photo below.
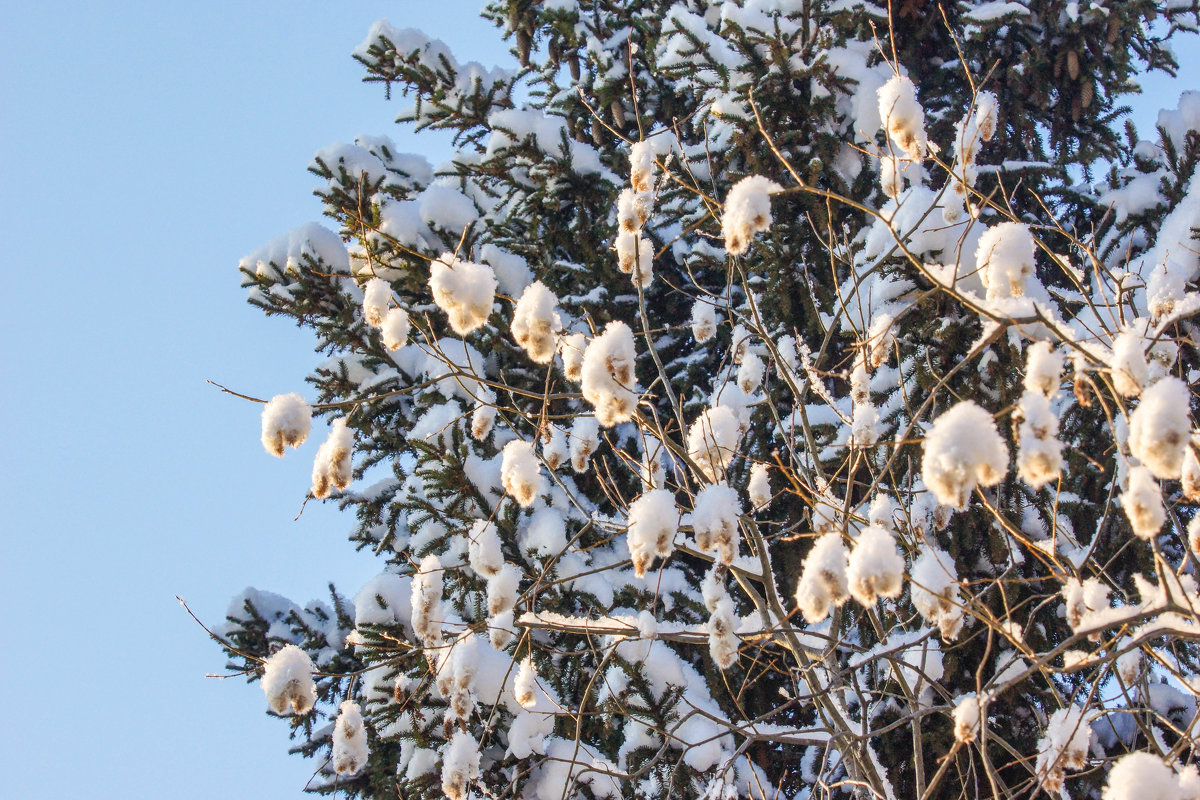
point(349, 740)
point(463, 290)
point(747, 212)
point(521, 472)
point(286, 422)
point(962, 449)
point(607, 375)
point(287, 681)
point(536, 323)
point(653, 523)
point(331, 467)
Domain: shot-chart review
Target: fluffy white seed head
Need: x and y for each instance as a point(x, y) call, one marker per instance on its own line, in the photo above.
point(1129, 368)
point(460, 765)
point(521, 472)
point(463, 290)
point(633, 209)
point(571, 349)
point(962, 449)
point(286, 421)
point(1063, 746)
point(722, 637)
point(556, 449)
point(427, 601)
point(483, 418)
point(287, 681)
point(747, 212)
point(484, 549)
point(503, 589)
point(331, 467)
point(536, 323)
point(750, 373)
point(525, 684)
point(934, 591)
point(607, 375)
point(967, 713)
point(1039, 457)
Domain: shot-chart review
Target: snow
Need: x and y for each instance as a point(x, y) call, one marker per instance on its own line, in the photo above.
point(934, 591)
point(715, 521)
point(484, 549)
point(633, 209)
point(377, 297)
point(1142, 776)
point(653, 523)
point(1143, 503)
point(460, 765)
point(464, 290)
point(704, 321)
point(556, 449)
point(962, 449)
point(512, 272)
point(287, 681)
point(546, 533)
point(521, 473)
point(1004, 259)
point(585, 438)
point(385, 600)
point(292, 252)
point(722, 642)
point(1043, 369)
point(759, 487)
point(395, 328)
point(1039, 457)
point(536, 323)
point(502, 590)
point(902, 116)
point(874, 568)
point(1160, 428)
point(286, 422)
point(331, 467)
point(1064, 745)
point(823, 582)
point(349, 740)
point(747, 211)
point(712, 440)
point(607, 375)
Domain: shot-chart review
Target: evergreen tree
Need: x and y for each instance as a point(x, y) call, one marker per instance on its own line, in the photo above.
point(706, 411)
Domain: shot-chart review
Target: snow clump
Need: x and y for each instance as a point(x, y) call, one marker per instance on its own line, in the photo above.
point(759, 487)
point(967, 713)
point(747, 212)
point(377, 297)
point(1064, 745)
point(571, 349)
point(1043, 369)
point(874, 568)
point(536, 324)
point(1143, 776)
point(484, 551)
point(934, 591)
point(427, 601)
point(287, 681)
point(722, 636)
point(962, 449)
point(607, 375)
point(331, 467)
point(823, 583)
point(712, 440)
point(349, 740)
point(521, 472)
point(653, 523)
point(903, 118)
point(464, 290)
point(1004, 259)
point(1159, 428)
point(1039, 457)
point(1128, 365)
point(641, 166)
point(286, 421)
point(715, 521)
point(704, 321)
point(1143, 503)
point(585, 438)
point(395, 328)
point(460, 765)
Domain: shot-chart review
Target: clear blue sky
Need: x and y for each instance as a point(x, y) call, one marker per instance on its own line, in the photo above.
point(150, 145)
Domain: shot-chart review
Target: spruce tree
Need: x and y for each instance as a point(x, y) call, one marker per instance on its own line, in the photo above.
point(769, 399)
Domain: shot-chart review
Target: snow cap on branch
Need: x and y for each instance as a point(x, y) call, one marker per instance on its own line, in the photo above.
point(536, 323)
point(349, 740)
point(653, 523)
point(1160, 428)
point(747, 212)
point(903, 118)
point(521, 472)
point(1064, 745)
point(962, 449)
point(875, 567)
point(460, 765)
point(286, 421)
point(395, 328)
point(464, 290)
point(1004, 259)
point(715, 521)
point(377, 297)
point(607, 375)
point(1043, 369)
point(287, 681)
point(331, 467)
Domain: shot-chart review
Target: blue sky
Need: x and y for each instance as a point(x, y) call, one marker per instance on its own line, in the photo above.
point(150, 146)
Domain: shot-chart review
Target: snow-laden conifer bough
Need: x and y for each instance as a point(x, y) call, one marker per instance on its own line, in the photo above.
point(708, 406)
